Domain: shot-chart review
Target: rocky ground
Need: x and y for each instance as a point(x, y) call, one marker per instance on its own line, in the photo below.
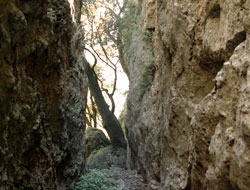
point(126, 179)
point(112, 162)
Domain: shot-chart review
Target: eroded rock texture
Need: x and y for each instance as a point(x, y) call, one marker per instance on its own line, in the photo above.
point(95, 139)
point(188, 120)
point(42, 95)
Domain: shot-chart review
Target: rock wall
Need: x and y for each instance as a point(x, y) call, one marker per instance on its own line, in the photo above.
point(188, 119)
point(42, 95)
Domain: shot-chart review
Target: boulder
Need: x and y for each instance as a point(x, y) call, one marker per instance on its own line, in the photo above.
point(95, 140)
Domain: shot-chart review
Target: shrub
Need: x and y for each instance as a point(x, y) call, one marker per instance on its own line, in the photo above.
point(95, 180)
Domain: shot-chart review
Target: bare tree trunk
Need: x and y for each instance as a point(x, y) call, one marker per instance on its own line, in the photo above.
point(110, 122)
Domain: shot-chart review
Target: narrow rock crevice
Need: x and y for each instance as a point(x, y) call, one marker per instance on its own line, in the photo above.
point(187, 121)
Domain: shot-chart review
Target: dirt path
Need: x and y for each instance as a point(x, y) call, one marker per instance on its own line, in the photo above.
point(126, 179)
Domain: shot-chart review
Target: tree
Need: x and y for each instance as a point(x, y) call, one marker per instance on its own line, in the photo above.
point(107, 35)
point(91, 112)
point(108, 28)
point(110, 122)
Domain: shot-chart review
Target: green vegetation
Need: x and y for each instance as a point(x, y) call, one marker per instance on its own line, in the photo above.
point(127, 26)
point(106, 31)
point(95, 180)
point(149, 71)
point(147, 80)
point(147, 35)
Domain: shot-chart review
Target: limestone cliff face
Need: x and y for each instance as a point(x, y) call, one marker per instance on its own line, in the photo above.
point(188, 120)
point(42, 95)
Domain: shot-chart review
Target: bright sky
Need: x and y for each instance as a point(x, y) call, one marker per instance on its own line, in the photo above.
point(122, 87)
point(108, 74)
point(72, 8)
point(122, 83)
point(122, 90)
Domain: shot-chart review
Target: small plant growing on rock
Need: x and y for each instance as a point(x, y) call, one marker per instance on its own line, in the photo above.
point(95, 180)
point(147, 35)
point(147, 77)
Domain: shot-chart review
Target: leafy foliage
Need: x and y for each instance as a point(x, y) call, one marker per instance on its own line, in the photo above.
point(95, 180)
point(108, 27)
point(128, 25)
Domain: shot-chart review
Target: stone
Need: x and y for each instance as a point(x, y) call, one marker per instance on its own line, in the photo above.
point(190, 129)
point(95, 140)
point(43, 89)
point(107, 157)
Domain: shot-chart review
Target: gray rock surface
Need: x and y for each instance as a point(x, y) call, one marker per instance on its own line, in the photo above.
point(188, 128)
point(95, 139)
point(106, 157)
point(126, 179)
point(42, 95)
